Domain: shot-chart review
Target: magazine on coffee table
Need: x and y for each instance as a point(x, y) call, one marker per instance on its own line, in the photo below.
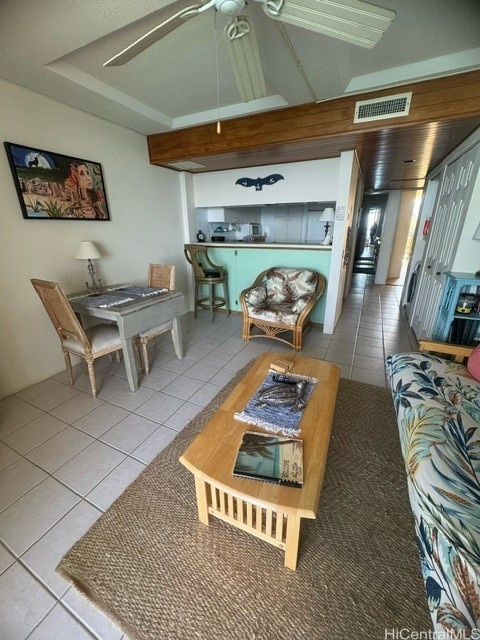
point(270, 458)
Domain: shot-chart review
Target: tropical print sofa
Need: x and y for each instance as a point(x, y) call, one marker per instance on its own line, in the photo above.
point(438, 412)
point(279, 301)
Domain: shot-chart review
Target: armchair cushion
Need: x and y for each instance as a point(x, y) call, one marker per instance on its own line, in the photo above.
point(286, 284)
point(301, 302)
point(278, 313)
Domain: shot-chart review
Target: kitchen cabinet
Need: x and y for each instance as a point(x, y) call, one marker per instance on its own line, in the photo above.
point(216, 214)
point(450, 325)
point(234, 215)
point(287, 227)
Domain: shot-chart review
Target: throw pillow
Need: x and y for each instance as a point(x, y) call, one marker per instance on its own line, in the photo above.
point(473, 363)
point(278, 289)
point(256, 296)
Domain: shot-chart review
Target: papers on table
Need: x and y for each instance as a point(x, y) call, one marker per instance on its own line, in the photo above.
point(143, 292)
point(105, 300)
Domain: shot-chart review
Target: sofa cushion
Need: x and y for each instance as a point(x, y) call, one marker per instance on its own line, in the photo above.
point(438, 413)
point(473, 364)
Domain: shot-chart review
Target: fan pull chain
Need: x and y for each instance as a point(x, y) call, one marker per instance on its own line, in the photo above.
point(219, 125)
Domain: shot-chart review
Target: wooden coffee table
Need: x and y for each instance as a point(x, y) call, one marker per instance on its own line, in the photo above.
point(268, 511)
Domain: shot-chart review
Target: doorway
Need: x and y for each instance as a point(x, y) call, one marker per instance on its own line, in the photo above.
point(404, 239)
point(369, 234)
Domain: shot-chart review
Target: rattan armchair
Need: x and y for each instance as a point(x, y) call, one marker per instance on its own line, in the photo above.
point(89, 344)
point(160, 276)
point(280, 302)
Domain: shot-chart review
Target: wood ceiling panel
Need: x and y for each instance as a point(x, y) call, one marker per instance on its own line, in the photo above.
point(443, 112)
point(381, 154)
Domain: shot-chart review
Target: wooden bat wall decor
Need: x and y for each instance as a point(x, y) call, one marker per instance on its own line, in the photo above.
point(258, 183)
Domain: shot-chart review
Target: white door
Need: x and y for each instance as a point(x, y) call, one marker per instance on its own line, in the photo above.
point(448, 217)
point(288, 227)
point(294, 227)
point(280, 227)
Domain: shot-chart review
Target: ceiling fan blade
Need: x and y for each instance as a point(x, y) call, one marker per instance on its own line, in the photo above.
point(245, 60)
point(354, 21)
point(155, 34)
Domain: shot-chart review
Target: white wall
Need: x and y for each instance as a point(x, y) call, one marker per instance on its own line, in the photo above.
point(348, 177)
point(146, 226)
point(315, 180)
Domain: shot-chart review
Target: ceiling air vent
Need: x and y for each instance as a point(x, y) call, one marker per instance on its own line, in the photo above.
point(381, 108)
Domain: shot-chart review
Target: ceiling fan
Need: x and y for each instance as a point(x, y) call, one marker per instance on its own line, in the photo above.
point(354, 21)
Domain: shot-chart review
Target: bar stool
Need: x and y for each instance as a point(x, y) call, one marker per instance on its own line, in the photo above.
point(209, 274)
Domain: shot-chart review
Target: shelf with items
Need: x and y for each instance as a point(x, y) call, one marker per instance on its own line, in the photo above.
point(458, 319)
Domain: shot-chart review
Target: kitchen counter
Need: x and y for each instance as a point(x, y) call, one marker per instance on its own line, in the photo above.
point(265, 245)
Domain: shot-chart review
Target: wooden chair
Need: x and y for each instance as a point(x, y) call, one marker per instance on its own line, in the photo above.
point(459, 352)
point(160, 276)
point(280, 301)
point(89, 344)
point(206, 273)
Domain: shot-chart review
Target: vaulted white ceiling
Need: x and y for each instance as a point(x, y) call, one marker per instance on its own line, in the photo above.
point(58, 47)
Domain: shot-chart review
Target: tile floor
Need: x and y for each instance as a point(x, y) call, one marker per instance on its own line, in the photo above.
point(66, 456)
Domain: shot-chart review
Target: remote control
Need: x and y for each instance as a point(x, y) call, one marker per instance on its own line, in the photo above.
point(279, 377)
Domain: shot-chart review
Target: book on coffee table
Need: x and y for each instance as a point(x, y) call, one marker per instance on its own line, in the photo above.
point(270, 458)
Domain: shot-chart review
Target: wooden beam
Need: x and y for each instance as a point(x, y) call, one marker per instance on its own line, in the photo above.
point(442, 99)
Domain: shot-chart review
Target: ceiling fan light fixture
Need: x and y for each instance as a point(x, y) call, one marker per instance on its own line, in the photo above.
point(229, 7)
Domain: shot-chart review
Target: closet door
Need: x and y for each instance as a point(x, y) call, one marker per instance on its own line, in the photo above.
point(448, 217)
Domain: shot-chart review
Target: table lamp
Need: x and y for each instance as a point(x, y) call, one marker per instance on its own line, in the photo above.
point(88, 251)
point(327, 216)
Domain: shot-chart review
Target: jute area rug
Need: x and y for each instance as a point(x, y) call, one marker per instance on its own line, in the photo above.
point(159, 574)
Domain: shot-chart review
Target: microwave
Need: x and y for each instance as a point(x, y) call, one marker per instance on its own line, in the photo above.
point(255, 229)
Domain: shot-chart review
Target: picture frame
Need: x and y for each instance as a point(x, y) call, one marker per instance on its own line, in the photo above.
point(53, 186)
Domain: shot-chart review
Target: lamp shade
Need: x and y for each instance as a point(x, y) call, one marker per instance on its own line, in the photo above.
point(327, 215)
point(87, 251)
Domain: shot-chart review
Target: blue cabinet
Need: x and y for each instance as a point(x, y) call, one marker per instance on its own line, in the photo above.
point(452, 326)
